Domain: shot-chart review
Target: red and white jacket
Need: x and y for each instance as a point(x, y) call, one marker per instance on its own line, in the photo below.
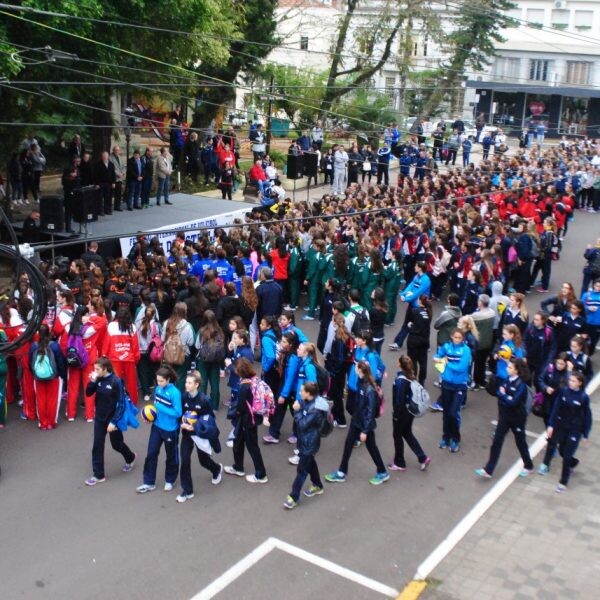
point(64, 317)
point(119, 346)
point(93, 335)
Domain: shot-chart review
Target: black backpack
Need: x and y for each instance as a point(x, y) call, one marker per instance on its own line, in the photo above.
point(323, 380)
point(361, 321)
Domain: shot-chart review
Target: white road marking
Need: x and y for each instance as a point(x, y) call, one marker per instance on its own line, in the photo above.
point(467, 522)
point(219, 584)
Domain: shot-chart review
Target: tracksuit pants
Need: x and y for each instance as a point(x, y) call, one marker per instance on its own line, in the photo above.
point(353, 435)
point(76, 379)
point(453, 398)
point(515, 422)
point(185, 471)
point(247, 437)
point(307, 466)
point(28, 393)
point(211, 373)
point(48, 395)
point(567, 443)
point(117, 443)
point(402, 431)
point(127, 372)
point(277, 420)
point(170, 439)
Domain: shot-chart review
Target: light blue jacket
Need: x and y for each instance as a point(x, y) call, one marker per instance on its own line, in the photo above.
point(168, 407)
point(458, 362)
point(421, 284)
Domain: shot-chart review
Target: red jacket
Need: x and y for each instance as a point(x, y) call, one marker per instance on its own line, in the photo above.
point(119, 346)
point(280, 265)
point(257, 173)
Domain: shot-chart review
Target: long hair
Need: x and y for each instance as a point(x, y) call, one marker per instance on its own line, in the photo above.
point(124, 320)
point(516, 333)
point(311, 350)
point(341, 331)
point(281, 247)
point(273, 325)
point(44, 339)
point(76, 324)
point(367, 375)
point(406, 365)
point(379, 301)
point(210, 327)
point(179, 314)
point(467, 323)
point(249, 295)
point(149, 316)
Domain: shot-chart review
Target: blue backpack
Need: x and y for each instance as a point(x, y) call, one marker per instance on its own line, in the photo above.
point(44, 366)
point(380, 372)
point(129, 417)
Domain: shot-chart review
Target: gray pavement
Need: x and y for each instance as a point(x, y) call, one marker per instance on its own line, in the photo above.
point(63, 540)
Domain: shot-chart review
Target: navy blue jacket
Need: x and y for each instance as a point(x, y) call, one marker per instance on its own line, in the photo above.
point(539, 346)
point(571, 412)
point(582, 363)
point(109, 407)
point(200, 404)
point(402, 394)
point(366, 408)
point(308, 427)
point(514, 398)
point(234, 378)
point(270, 299)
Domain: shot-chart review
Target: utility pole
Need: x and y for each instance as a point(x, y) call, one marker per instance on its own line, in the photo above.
point(270, 110)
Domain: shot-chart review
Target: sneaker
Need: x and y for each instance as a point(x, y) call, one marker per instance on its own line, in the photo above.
point(437, 384)
point(379, 478)
point(454, 446)
point(541, 290)
point(356, 444)
point(233, 471)
point(290, 503)
point(255, 479)
point(339, 425)
point(425, 463)
point(269, 439)
point(168, 487)
point(294, 460)
point(443, 444)
point(335, 477)
point(292, 439)
point(393, 347)
point(482, 473)
point(128, 466)
point(94, 480)
point(184, 498)
point(229, 443)
point(308, 318)
point(217, 480)
point(395, 467)
point(543, 469)
point(296, 451)
point(560, 488)
point(525, 472)
point(23, 416)
point(89, 420)
point(287, 307)
point(313, 490)
point(71, 419)
point(436, 407)
point(142, 489)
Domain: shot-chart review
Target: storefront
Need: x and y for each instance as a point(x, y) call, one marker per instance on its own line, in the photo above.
point(563, 110)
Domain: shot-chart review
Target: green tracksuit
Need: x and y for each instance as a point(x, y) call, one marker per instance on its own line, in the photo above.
point(294, 275)
point(392, 281)
point(372, 281)
point(314, 268)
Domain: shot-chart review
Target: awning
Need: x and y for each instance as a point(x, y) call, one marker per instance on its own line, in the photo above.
point(550, 90)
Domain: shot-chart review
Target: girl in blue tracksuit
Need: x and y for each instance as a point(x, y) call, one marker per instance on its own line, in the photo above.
point(307, 353)
point(420, 285)
point(591, 304)
point(239, 347)
point(287, 323)
point(570, 420)
point(457, 357)
point(362, 351)
point(512, 415)
point(286, 395)
point(269, 339)
point(578, 360)
point(164, 430)
point(551, 381)
point(511, 346)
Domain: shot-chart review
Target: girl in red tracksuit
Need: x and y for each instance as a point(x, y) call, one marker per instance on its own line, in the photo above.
point(121, 346)
point(93, 327)
point(47, 392)
point(64, 316)
point(26, 381)
point(10, 322)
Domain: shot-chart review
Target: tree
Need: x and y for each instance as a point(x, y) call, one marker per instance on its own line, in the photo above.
point(471, 43)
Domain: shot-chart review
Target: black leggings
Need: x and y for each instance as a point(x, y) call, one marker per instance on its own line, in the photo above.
point(353, 435)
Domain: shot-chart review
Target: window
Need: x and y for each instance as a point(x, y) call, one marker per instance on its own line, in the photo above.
point(535, 15)
point(416, 49)
point(425, 47)
point(578, 72)
point(390, 82)
point(507, 67)
point(560, 18)
point(538, 70)
point(303, 42)
point(583, 19)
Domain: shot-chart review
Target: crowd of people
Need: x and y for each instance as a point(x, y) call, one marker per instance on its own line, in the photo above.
point(168, 326)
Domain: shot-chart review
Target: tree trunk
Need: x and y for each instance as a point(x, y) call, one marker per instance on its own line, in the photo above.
point(102, 136)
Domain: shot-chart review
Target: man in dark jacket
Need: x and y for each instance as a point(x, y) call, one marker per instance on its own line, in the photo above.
point(147, 176)
point(134, 180)
point(71, 180)
point(270, 295)
point(105, 178)
point(109, 411)
point(308, 417)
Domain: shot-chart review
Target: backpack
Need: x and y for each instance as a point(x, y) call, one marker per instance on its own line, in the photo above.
point(530, 399)
point(595, 265)
point(327, 423)
point(77, 356)
point(156, 346)
point(420, 402)
point(361, 321)
point(512, 255)
point(380, 371)
point(323, 380)
point(130, 411)
point(174, 352)
point(211, 350)
point(349, 351)
point(380, 406)
point(263, 400)
point(44, 367)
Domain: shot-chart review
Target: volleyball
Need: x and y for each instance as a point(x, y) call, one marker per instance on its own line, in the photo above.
point(505, 352)
point(149, 413)
point(190, 417)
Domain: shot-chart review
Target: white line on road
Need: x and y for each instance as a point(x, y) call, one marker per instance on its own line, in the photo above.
point(471, 518)
point(237, 570)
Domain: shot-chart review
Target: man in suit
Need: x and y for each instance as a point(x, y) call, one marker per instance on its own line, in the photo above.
point(147, 176)
point(119, 167)
point(104, 178)
point(71, 180)
point(134, 180)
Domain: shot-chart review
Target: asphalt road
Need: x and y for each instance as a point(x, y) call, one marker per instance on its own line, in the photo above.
point(65, 540)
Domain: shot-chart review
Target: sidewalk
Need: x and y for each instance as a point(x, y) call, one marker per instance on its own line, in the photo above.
point(533, 542)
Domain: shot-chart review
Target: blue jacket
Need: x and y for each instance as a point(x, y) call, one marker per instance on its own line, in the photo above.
point(458, 363)
point(270, 299)
point(289, 383)
point(224, 269)
point(383, 156)
point(366, 408)
point(308, 422)
point(306, 372)
point(299, 333)
point(402, 394)
point(571, 412)
point(109, 407)
point(590, 300)
point(539, 345)
point(582, 363)
point(268, 353)
point(502, 364)
point(168, 407)
point(421, 284)
point(361, 354)
point(234, 378)
point(514, 398)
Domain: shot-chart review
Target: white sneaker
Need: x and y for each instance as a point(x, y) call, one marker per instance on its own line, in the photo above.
point(168, 487)
point(254, 479)
point(294, 460)
point(231, 471)
point(217, 480)
point(229, 443)
point(142, 489)
point(184, 498)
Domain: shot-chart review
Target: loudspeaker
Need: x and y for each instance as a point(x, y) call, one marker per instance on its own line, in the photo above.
point(295, 167)
point(310, 164)
point(85, 204)
point(52, 213)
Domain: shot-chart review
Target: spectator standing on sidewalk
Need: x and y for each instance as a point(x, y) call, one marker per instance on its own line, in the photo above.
point(164, 169)
point(340, 160)
point(120, 172)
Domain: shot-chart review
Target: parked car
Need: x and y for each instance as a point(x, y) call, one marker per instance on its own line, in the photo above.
point(238, 119)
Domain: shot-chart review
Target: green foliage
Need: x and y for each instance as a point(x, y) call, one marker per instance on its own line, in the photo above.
point(364, 105)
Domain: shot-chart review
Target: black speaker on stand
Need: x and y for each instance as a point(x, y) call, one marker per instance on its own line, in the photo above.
point(295, 166)
point(52, 213)
point(310, 169)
